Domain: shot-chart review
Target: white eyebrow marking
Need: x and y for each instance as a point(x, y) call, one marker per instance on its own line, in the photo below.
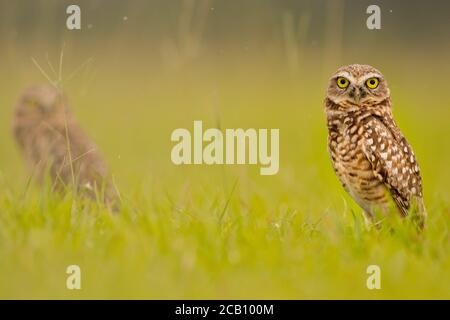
point(362, 80)
point(345, 74)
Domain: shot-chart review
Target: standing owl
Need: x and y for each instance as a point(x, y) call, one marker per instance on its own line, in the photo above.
point(53, 144)
point(371, 157)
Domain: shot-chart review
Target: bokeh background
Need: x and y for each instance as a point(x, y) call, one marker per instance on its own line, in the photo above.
point(137, 70)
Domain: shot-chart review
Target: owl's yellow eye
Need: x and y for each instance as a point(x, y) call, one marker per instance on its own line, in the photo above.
point(372, 83)
point(342, 82)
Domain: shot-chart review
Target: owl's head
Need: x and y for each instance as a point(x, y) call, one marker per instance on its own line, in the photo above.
point(357, 85)
point(41, 102)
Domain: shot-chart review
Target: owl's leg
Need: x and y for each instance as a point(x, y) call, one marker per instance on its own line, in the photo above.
point(370, 220)
point(370, 215)
point(376, 213)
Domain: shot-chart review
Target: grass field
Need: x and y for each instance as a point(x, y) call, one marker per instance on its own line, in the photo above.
point(218, 232)
point(225, 231)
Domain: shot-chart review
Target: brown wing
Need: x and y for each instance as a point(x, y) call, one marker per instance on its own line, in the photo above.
point(392, 160)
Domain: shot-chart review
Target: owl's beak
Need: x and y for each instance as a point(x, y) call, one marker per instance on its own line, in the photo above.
point(358, 96)
point(357, 93)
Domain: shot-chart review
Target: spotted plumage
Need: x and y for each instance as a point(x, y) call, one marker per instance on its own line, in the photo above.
point(371, 157)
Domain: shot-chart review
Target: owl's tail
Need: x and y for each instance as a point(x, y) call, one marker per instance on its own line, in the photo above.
point(419, 212)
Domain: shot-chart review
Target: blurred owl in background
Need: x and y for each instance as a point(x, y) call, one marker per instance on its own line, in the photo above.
point(371, 157)
point(54, 145)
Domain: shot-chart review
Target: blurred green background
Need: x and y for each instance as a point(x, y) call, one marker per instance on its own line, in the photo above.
point(138, 70)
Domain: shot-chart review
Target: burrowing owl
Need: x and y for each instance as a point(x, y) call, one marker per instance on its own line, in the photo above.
point(53, 143)
point(371, 157)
